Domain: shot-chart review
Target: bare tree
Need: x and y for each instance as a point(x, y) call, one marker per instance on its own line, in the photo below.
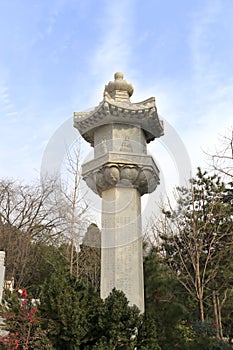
point(72, 206)
point(26, 216)
point(222, 159)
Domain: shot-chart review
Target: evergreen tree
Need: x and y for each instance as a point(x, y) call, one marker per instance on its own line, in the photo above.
point(70, 312)
point(197, 242)
point(166, 302)
point(44, 261)
point(118, 323)
point(77, 318)
point(147, 338)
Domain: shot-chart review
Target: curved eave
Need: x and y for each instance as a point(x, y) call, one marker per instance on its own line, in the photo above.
point(143, 114)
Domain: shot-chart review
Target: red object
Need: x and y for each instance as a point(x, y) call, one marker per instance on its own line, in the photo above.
point(23, 293)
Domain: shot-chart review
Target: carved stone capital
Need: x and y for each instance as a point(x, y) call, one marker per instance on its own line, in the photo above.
point(145, 179)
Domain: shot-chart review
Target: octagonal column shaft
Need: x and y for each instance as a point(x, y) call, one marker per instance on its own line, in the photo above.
point(121, 243)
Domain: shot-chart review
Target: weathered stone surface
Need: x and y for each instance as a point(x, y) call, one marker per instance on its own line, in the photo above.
point(2, 273)
point(119, 89)
point(101, 176)
point(119, 138)
point(110, 110)
point(121, 172)
point(92, 236)
point(121, 254)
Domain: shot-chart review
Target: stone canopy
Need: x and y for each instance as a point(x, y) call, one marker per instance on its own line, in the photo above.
point(117, 108)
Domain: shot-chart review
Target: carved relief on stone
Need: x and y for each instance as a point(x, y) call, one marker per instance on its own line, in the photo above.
point(90, 180)
point(111, 174)
point(129, 173)
point(100, 181)
point(126, 145)
point(147, 180)
point(102, 147)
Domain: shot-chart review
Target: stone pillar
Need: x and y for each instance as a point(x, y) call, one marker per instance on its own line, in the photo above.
point(121, 255)
point(121, 172)
point(2, 273)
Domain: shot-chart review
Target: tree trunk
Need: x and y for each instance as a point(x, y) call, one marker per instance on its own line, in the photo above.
point(219, 316)
point(199, 288)
point(201, 307)
point(216, 314)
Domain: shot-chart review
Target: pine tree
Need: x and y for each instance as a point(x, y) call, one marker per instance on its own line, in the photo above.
point(118, 323)
point(69, 310)
point(166, 306)
point(197, 240)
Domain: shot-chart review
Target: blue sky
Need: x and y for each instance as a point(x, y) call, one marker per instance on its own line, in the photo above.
point(57, 55)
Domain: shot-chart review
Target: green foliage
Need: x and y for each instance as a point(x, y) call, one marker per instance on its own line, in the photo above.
point(170, 308)
point(164, 300)
point(69, 310)
point(76, 318)
point(198, 240)
point(204, 342)
point(192, 266)
point(205, 337)
point(197, 236)
point(147, 338)
point(204, 328)
point(44, 261)
point(118, 323)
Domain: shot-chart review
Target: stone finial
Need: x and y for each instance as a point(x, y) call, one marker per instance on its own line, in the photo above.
point(119, 89)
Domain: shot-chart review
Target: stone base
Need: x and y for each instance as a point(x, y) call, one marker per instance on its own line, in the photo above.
point(121, 253)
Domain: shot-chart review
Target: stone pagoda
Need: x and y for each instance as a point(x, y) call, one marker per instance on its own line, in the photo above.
point(120, 173)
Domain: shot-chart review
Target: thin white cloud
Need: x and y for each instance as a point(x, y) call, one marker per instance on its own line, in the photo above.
point(200, 41)
point(201, 109)
point(208, 101)
point(6, 105)
point(197, 105)
point(113, 51)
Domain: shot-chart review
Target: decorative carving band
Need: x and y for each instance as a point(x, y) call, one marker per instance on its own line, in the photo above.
point(145, 179)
